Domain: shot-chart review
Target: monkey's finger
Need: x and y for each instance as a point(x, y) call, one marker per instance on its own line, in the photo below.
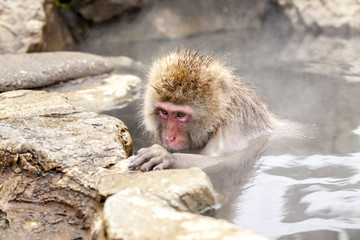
point(141, 151)
point(139, 160)
point(161, 166)
point(132, 158)
point(150, 165)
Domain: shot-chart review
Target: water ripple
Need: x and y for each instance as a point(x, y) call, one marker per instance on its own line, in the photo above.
point(303, 197)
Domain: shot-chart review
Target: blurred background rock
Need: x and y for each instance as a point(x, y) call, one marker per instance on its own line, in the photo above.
point(53, 25)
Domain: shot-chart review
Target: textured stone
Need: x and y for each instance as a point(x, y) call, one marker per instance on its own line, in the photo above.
point(48, 160)
point(185, 190)
point(27, 103)
point(137, 214)
point(21, 25)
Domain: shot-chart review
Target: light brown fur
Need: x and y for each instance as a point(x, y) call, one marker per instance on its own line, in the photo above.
point(217, 96)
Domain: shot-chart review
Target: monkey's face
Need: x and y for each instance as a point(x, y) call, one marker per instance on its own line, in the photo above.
point(174, 120)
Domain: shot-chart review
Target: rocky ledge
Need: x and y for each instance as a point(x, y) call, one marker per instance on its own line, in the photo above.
point(88, 81)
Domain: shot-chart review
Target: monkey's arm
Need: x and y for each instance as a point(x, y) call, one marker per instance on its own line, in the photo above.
point(156, 158)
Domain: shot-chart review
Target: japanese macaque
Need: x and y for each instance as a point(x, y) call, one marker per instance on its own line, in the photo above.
point(199, 112)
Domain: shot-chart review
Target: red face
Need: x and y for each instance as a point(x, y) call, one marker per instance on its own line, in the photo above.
point(174, 121)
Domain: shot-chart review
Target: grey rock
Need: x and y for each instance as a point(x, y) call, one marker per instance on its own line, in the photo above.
point(18, 71)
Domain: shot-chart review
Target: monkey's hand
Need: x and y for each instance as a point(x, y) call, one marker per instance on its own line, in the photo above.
point(153, 158)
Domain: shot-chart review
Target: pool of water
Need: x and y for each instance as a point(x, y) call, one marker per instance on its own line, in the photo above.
point(303, 197)
point(306, 188)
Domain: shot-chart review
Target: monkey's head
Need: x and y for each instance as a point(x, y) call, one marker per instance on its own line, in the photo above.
point(185, 99)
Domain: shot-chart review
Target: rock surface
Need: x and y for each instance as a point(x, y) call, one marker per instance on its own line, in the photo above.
point(137, 214)
point(47, 163)
point(193, 195)
point(26, 103)
point(21, 25)
point(90, 82)
point(18, 71)
point(105, 93)
point(38, 25)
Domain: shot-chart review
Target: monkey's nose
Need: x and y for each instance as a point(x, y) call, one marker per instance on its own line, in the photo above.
point(170, 140)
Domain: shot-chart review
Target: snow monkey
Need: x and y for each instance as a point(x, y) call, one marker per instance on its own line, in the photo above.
point(198, 111)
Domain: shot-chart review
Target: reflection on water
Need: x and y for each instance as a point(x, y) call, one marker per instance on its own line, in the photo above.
point(299, 197)
point(301, 188)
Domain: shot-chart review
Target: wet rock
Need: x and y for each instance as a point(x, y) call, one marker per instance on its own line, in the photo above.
point(48, 161)
point(41, 69)
point(109, 8)
point(100, 93)
point(21, 26)
point(138, 214)
point(105, 91)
